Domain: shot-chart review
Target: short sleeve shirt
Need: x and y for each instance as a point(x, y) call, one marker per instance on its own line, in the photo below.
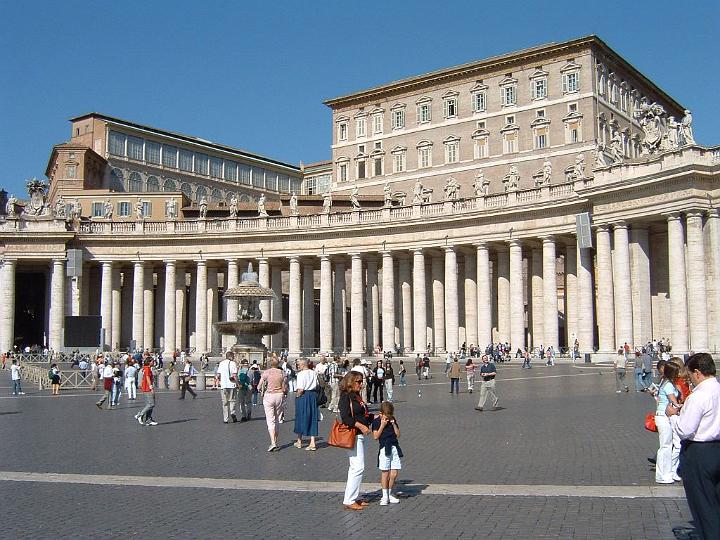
point(489, 368)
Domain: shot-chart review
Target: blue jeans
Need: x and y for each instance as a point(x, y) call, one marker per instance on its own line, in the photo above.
point(116, 389)
point(16, 387)
point(647, 379)
point(402, 379)
point(455, 383)
point(639, 384)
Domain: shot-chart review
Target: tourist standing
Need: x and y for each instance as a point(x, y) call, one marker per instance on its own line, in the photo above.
point(647, 369)
point(145, 416)
point(226, 375)
point(354, 414)
point(337, 377)
point(426, 366)
point(698, 426)
point(389, 381)
point(130, 379)
point(107, 377)
point(186, 376)
point(402, 371)
point(15, 376)
point(668, 453)
point(245, 390)
point(117, 385)
point(255, 382)
point(306, 407)
point(470, 368)
point(448, 361)
point(378, 382)
point(386, 431)
point(487, 388)
point(454, 374)
point(55, 379)
point(276, 388)
point(94, 376)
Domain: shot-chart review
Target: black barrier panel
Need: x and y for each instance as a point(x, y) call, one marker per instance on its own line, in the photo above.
point(82, 331)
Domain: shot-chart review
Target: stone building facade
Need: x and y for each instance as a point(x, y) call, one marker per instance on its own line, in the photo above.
point(465, 230)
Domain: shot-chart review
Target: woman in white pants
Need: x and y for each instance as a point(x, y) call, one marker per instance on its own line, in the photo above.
point(354, 414)
point(668, 453)
point(130, 385)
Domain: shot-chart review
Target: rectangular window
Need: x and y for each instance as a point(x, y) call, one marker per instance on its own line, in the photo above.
point(360, 127)
point(539, 88)
point(361, 169)
point(572, 107)
point(244, 174)
point(295, 185)
point(342, 172)
point(361, 148)
point(271, 180)
point(451, 152)
point(152, 152)
point(541, 138)
point(377, 166)
point(377, 123)
point(377, 145)
point(123, 209)
point(147, 208)
point(135, 148)
point(450, 108)
point(573, 132)
point(425, 157)
point(98, 209)
point(258, 177)
point(116, 144)
point(216, 167)
point(571, 82)
point(540, 113)
point(510, 143)
point(399, 162)
point(509, 96)
point(231, 171)
point(186, 160)
point(201, 163)
point(283, 183)
point(510, 120)
point(479, 102)
point(398, 119)
point(424, 113)
point(481, 148)
point(342, 131)
point(169, 156)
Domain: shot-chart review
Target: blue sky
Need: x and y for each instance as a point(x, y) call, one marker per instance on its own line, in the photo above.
point(253, 74)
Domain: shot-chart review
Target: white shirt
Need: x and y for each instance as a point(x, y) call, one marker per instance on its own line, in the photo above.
point(130, 374)
point(699, 418)
point(15, 370)
point(225, 370)
point(107, 372)
point(321, 368)
point(306, 379)
point(360, 369)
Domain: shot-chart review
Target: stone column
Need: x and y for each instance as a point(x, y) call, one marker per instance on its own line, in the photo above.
point(605, 291)
point(276, 307)
point(388, 302)
point(517, 304)
point(115, 334)
point(585, 293)
point(148, 309)
point(308, 311)
point(180, 311)
point(106, 288)
point(339, 307)
point(536, 295)
point(438, 298)
point(57, 301)
point(419, 302)
point(571, 292)
point(640, 284)
point(213, 342)
point(373, 301)
point(484, 300)
point(550, 309)
point(622, 286)
point(7, 306)
point(356, 306)
point(169, 315)
point(451, 301)
point(264, 280)
point(712, 225)
point(697, 294)
point(295, 309)
point(201, 308)
point(326, 306)
point(471, 296)
point(678, 283)
point(503, 294)
point(406, 295)
point(75, 296)
point(231, 306)
point(138, 308)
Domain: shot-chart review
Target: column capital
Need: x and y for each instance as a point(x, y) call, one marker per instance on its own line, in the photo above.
point(324, 257)
point(514, 243)
point(673, 216)
point(386, 253)
point(291, 258)
point(449, 249)
point(694, 213)
point(622, 224)
point(201, 262)
point(713, 213)
point(262, 259)
point(170, 262)
point(480, 245)
point(355, 255)
point(602, 227)
point(58, 260)
point(547, 239)
point(417, 250)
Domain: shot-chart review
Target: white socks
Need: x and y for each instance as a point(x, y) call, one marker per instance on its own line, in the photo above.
point(385, 493)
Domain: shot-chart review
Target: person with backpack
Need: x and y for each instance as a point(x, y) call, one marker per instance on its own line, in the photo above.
point(54, 376)
point(245, 390)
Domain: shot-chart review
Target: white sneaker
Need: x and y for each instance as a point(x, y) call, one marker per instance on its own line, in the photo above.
point(151, 423)
point(22, 393)
point(393, 500)
point(384, 502)
point(139, 420)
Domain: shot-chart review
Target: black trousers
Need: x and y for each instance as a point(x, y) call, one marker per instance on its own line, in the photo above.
point(185, 387)
point(378, 385)
point(700, 472)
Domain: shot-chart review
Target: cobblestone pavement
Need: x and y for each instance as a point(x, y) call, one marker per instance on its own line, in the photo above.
point(562, 426)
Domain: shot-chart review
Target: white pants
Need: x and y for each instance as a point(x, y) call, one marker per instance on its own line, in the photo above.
point(389, 389)
point(356, 456)
point(668, 453)
point(131, 389)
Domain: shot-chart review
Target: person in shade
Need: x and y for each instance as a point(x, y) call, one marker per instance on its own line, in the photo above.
point(354, 414)
point(307, 414)
point(697, 424)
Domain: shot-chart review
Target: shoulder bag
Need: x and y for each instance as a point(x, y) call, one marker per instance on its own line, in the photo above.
point(342, 436)
point(650, 422)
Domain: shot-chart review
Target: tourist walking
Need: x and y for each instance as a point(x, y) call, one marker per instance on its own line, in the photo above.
point(402, 371)
point(54, 375)
point(226, 375)
point(470, 368)
point(418, 366)
point(454, 374)
point(647, 369)
point(117, 385)
point(386, 431)
point(255, 382)
point(131, 372)
point(186, 376)
point(15, 376)
point(697, 424)
point(487, 388)
point(106, 372)
point(354, 414)
point(426, 366)
point(622, 363)
point(640, 385)
point(145, 416)
point(307, 414)
point(668, 454)
point(94, 374)
point(275, 384)
point(245, 390)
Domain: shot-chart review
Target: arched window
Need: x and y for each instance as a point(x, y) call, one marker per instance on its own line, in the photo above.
point(186, 189)
point(135, 182)
point(116, 180)
point(215, 196)
point(169, 185)
point(153, 184)
point(244, 198)
point(200, 192)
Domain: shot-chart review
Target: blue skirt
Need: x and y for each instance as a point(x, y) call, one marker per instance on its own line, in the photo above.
point(306, 414)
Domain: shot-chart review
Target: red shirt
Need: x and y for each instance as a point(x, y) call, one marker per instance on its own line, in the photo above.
point(147, 376)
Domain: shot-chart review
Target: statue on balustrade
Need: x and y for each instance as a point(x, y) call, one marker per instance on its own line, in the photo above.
point(233, 206)
point(615, 148)
point(76, 209)
point(294, 204)
point(327, 202)
point(651, 117)
point(417, 192)
point(60, 208)
point(37, 205)
point(171, 208)
point(478, 187)
point(452, 189)
point(673, 133)
point(139, 210)
point(10, 206)
point(686, 132)
point(262, 211)
point(354, 198)
point(108, 209)
point(511, 180)
point(579, 167)
point(387, 193)
point(547, 172)
point(203, 204)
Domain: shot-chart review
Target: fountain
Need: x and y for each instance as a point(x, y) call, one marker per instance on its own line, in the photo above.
point(249, 328)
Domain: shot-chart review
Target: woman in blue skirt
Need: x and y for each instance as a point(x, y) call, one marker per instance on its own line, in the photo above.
point(306, 410)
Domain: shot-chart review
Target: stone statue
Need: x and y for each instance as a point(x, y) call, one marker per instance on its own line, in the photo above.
point(673, 133)
point(10, 206)
point(354, 198)
point(108, 209)
point(139, 213)
point(327, 202)
point(60, 208)
point(76, 209)
point(294, 204)
point(653, 122)
point(37, 206)
point(579, 167)
point(387, 194)
point(686, 132)
point(233, 206)
point(203, 207)
point(599, 155)
point(511, 180)
point(171, 208)
point(547, 172)
point(615, 148)
point(262, 211)
point(452, 189)
point(478, 188)
point(486, 185)
point(418, 192)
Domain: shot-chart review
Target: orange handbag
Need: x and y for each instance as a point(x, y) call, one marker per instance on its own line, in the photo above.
point(650, 422)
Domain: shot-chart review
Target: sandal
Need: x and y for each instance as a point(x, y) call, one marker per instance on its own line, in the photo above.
point(311, 448)
point(297, 444)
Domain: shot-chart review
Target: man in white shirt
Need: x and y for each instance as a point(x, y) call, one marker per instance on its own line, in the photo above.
point(697, 424)
point(107, 377)
point(15, 375)
point(226, 375)
point(186, 376)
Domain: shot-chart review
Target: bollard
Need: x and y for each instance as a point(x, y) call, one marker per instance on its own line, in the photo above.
point(200, 381)
point(161, 380)
point(174, 381)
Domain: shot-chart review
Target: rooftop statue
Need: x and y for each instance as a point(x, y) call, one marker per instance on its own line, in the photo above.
point(37, 206)
point(293, 204)
point(233, 206)
point(171, 208)
point(387, 193)
point(511, 180)
point(262, 211)
point(203, 207)
point(452, 189)
point(108, 209)
point(327, 202)
point(10, 206)
point(354, 198)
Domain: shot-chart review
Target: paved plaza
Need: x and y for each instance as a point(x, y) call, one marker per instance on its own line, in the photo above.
point(564, 457)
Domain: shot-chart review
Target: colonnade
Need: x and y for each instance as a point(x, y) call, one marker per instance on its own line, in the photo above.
point(414, 297)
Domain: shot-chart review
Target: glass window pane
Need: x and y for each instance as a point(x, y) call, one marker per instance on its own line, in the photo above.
point(135, 148)
point(245, 174)
point(116, 144)
point(201, 163)
point(258, 177)
point(186, 160)
point(169, 156)
point(231, 171)
point(216, 167)
point(152, 152)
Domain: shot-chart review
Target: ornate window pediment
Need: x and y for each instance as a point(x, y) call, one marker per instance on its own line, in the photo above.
point(360, 156)
point(398, 106)
point(377, 110)
point(377, 152)
point(342, 159)
point(570, 66)
point(450, 94)
point(479, 133)
point(360, 114)
point(451, 139)
point(424, 99)
point(539, 73)
point(541, 121)
point(576, 115)
point(341, 118)
point(508, 80)
point(424, 144)
point(479, 87)
point(398, 150)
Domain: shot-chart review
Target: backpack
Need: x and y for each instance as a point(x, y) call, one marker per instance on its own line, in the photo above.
point(243, 379)
point(51, 375)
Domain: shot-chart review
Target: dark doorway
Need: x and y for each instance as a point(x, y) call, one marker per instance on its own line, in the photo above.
point(29, 309)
